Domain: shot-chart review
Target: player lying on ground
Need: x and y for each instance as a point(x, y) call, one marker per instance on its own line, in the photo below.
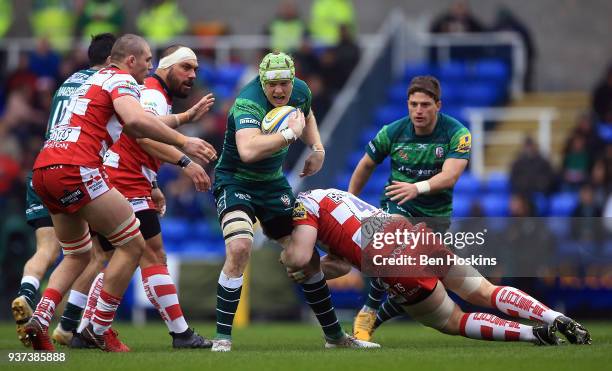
point(334, 218)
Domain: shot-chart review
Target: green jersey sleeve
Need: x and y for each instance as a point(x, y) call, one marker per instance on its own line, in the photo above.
point(247, 114)
point(379, 147)
point(460, 144)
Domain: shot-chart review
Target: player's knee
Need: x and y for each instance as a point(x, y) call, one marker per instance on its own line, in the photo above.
point(237, 225)
point(239, 249)
point(126, 232)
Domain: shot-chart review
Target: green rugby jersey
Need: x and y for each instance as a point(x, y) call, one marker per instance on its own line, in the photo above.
point(416, 158)
point(63, 94)
point(248, 111)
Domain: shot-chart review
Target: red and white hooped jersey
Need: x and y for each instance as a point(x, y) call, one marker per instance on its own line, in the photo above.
point(89, 124)
point(337, 215)
point(129, 167)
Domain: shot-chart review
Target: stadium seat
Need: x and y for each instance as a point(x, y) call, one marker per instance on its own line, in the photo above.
point(452, 93)
point(481, 94)
point(175, 230)
point(541, 204)
point(230, 74)
point(453, 71)
point(387, 114)
point(223, 91)
point(467, 184)
point(498, 182)
point(342, 180)
point(397, 94)
point(563, 204)
point(492, 70)
point(354, 158)
point(605, 131)
point(495, 205)
point(200, 230)
point(367, 135)
point(461, 206)
point(417, 69)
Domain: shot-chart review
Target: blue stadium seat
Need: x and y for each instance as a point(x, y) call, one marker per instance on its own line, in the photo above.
point(492, 70)
point(387, 114)
point(453, 71)
point(353, 159)
point(482, 94)
point(376, 183)
point(455, 111)
point(223, 91)
point(230, 74)
point(175, 230)
point(467, 184)
point(461, 206)
point(495, 205)
point(417, 69)
point(397, 94)
point(207, 73)
point(342, 180)
point(498, 182)
point(563, 204)
point(541, 204)
point(452, 93)
point(200, 230)
point(605, 131)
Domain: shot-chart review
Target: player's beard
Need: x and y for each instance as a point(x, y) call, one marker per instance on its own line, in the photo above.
point(176, 86)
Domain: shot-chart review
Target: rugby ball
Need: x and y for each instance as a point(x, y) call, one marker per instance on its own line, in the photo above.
point(276, 120)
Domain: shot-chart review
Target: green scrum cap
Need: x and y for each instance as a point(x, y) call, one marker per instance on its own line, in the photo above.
point(276, 66)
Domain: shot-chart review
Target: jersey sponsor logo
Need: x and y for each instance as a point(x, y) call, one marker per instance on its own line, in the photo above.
point(439, 152)
point(418, 172)
point(94, 182)
point(139, 204)
point(242, 196)
point(299, 211)
point(111, 159)
point(66, 91)
point(66, 134)
point(71, 197)
point(465, 143)
point(249, 121)
point(420, 146)
point(403, 155)
point(334, 196)
point(285, 200)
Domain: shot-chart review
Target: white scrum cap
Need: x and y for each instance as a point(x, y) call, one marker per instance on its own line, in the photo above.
point(179, 55)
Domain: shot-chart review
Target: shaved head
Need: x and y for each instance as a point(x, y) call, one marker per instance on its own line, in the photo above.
point(126, 45)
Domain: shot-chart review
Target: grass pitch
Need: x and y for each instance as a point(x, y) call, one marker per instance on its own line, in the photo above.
point(406, 346)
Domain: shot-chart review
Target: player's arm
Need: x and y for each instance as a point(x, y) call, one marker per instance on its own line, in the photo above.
point(362, 173)
point(312, 139)
point(299, 251)
point(140, 124)
point(334, 266)
point(171, 155)
point(254, 146)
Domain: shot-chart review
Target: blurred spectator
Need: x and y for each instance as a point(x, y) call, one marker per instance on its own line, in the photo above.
point(22, 75)
point(44, 61)
point(531, 172)
point(161, 21)
point(320, 97)
point(457, 19)
point(576, 162)
point(287, 28)
point(347, 54)
point(6, 16)
point(586, 225)
point(601, 180)
point(507, 21)
point(10, 173)
point(602, 97)
point(53, 20)
point(99, 16)
point(306, 60)
point(585, 127)
point(326, 16)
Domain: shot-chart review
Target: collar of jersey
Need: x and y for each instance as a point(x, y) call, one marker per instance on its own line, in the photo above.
point(162, 83)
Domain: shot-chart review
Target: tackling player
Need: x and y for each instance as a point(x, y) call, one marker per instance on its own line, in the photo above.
point(37, 215)
point(69, 177)
point(132, 166)
point(334, 218)
point(429, 151)
point(249, 184)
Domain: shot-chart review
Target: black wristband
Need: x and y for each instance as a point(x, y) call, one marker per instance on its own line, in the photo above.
point(184, 161)
point(154, 184)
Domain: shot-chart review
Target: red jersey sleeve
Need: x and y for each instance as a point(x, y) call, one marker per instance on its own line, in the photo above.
point(301, 216)
point(122, 84)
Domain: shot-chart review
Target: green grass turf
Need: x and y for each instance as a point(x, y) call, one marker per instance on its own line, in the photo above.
point(406, 346)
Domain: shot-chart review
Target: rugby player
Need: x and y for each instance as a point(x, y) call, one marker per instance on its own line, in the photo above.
point(334, 218)
point(69, 178)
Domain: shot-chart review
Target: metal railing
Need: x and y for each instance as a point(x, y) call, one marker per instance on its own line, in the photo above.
point(478, 116)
